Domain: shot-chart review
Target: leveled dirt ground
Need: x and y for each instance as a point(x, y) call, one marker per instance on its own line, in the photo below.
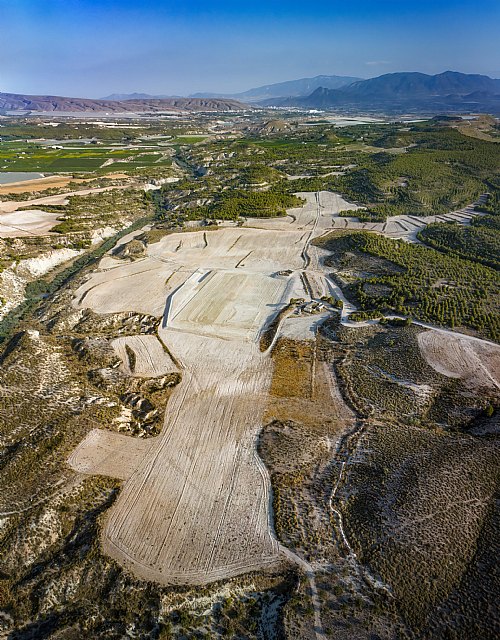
point(143, 356)
point(49, 182)
point(27, 223)
point(35, 221)
point(227, 304)
point(196, 507)
point(477, 362)
point(109, 454)
point(404, 227)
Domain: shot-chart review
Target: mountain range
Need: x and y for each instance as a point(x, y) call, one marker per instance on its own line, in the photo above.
point(393, 92)
point(118, 97)
point(291, 88)
point(19, 102)
point(408, 92)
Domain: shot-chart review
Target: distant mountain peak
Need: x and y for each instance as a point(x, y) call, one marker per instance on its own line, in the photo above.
point(406, 91)
point(120, 97)
point(290, 88)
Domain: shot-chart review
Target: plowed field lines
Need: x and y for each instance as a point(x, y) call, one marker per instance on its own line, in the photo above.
point(459, 356)
point(150, 358)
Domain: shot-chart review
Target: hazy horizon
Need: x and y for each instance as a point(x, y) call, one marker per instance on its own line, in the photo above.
point(83, 48)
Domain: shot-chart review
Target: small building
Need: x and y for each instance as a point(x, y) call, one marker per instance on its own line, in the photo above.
point(314, 307)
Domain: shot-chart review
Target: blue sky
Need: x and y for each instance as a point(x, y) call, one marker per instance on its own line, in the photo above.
point(93, 48)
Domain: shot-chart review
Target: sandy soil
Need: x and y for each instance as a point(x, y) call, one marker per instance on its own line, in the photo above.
point(9, 206)
point(225, 304)
point(459, 356)
point(302, 327)
point(26, 223)
point(39, 184)
point(36, 222)
point(197, 507)
point(224, 258)
point(305, 217)
point(49, 182)
point(140, 286)
point(110, 454)
point(151, 359)
point(405, 227)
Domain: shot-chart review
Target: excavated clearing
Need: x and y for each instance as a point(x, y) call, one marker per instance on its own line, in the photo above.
point(150, 360)
point(195, 505)
point(26, 223)
point(109, 454)
point(459, 356)
point(36, 222)
point(405, 227)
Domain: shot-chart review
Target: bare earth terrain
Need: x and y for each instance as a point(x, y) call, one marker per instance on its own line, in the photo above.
point(26, 223)
point(36, 222)
point(48, 182)
point(195, 506)
point(475, 361)
point(143, 356)
point(405, 227)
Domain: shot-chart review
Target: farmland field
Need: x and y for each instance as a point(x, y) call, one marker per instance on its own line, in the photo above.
point(143, 356)
point(196, 494)
point(226, 304)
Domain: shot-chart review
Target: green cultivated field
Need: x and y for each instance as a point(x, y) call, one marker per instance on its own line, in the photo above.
point(30, 157)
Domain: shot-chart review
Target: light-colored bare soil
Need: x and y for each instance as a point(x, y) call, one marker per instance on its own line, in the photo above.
point(404, 227)
point(304, 218)
point(49, 182)
point(196, 508)
point(459, 356)
point(40, 184)
point(15, 277)
point(302, 327)
point(26, 223)
point(141, 286)
point(230, 304)
point(150, 358)
point(200, 263)
point(42, 264)
point(109, 454)
point(8, 206)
